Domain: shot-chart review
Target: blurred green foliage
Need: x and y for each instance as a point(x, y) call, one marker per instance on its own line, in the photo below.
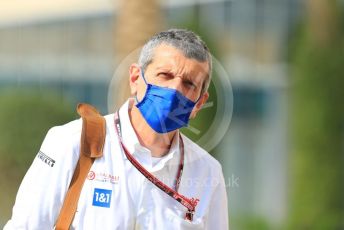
point(317, 159)
point(247, 222)
point(25, 118)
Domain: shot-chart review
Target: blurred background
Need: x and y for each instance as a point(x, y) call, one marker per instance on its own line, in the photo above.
point(283, 154)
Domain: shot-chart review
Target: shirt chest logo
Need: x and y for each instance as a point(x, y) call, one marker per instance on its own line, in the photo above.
point(102, 197)
point(102, 177)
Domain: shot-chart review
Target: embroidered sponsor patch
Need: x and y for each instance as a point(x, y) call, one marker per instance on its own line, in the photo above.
point(49, 161)
point(102, 197)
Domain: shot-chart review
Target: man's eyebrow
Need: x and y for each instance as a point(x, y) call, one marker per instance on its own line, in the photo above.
point(185, 77)
point(193, 78)
point(188, 77)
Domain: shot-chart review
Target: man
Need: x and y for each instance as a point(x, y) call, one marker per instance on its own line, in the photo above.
point(143, 146)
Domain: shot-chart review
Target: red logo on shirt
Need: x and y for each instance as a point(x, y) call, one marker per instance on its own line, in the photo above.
point(91, 175)
point(103, 177)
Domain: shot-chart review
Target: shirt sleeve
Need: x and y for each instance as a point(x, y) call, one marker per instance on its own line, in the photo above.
point(218, 210)
point(41, 193)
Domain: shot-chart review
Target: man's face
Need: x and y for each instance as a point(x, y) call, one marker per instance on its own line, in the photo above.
point(170, 68)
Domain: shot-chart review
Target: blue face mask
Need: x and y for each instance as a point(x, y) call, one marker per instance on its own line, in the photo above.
point(165, 109)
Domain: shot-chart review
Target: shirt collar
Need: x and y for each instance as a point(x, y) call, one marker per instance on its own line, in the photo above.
point(141, 153)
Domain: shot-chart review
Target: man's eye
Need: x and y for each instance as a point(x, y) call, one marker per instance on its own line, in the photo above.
point(190, 84)
point(165, 75)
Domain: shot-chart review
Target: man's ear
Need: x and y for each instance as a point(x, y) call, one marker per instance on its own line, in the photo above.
point(199, 105)
point(134, 74)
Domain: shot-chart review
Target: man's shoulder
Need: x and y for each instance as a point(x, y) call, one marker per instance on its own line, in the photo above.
point(73, 128)
point(66, 134)
point(69, 129)
point(200, 156)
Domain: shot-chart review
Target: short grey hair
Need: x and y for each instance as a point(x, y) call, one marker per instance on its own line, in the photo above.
point(191, 45)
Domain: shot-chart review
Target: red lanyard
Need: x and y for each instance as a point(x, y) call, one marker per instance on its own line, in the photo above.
point(190, 204)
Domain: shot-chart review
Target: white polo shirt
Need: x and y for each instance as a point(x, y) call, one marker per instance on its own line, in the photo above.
point(115, 194)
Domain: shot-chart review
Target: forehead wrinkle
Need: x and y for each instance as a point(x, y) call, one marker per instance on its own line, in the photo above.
point(189, 75)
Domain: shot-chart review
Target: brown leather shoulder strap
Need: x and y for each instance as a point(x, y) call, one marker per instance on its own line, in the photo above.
point(92, 143)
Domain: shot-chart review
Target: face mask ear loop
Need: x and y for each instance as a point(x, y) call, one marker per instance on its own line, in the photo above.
point(136, 100)
point(143, 76)
point(198, 99)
